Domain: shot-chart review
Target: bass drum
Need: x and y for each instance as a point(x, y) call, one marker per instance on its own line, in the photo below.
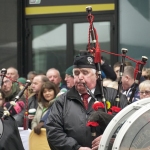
point(117, 122)
point(10, 137)
point(135, 132)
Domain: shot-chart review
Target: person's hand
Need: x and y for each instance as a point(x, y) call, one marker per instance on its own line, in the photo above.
point(84, 148)
point(37, 129)
point(95, 143)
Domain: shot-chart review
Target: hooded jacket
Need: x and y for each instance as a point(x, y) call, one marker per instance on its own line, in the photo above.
point(66, 124)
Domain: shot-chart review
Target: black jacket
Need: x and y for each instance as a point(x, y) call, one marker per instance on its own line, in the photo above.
point(109, 72)
point(33, 102)
point(66, 124)
point(10, 139)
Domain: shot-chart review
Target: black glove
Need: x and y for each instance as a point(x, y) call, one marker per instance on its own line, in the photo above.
point(37, 129)
point(101, 118)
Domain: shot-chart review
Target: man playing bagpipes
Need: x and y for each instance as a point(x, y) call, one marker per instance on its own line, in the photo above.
point(66, 125)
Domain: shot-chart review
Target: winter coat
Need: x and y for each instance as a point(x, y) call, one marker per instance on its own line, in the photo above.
point(40, 112)
point(66, 125)
point(128, 93)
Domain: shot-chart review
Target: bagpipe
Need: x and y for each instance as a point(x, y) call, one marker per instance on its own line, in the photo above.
point(104, 112)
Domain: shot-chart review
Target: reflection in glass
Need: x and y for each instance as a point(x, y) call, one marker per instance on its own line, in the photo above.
point(49, 47)
point(81, 37)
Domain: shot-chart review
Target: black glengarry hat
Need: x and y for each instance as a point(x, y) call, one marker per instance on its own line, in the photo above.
point(85, 60)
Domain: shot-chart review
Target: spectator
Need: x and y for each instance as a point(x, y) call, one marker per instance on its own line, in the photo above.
point(31, 75)
point(36, 85)
point(54, 76)
point(22, 81)
point(12, 73)
point(69, 77)
point(117, 69)
point(10, 92)
point(70, 83)
point(46, 98)
point(128, 83)
point(144, 89)
point(108, 71)
point(146, 73)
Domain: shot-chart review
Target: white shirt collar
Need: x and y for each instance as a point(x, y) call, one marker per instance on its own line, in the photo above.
point(92, 90)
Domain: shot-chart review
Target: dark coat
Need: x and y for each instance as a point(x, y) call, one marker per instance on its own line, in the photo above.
point(109, 72)
point(33, 102)
point(66, 124)
point(10, 139)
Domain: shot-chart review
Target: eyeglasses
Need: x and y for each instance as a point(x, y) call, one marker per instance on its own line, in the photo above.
point(145, 92)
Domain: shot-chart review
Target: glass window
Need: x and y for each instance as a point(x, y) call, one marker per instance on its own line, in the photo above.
point(49, 47)
point(134, 28)
point(81, 37)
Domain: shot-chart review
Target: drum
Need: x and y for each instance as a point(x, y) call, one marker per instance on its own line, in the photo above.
point(135, 132)
point(114, 127)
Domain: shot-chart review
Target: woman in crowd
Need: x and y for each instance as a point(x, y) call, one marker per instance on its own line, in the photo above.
point(46, 99)
point(144, 89)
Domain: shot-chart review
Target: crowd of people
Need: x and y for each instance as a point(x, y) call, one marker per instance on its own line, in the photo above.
point(60, 106)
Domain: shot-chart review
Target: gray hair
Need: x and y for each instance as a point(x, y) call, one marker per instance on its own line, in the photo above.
point(129, 70)
point(144, 84)
point(92, 69)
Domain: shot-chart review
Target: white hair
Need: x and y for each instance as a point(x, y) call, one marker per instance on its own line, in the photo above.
point(144, 84)
point(92, 69)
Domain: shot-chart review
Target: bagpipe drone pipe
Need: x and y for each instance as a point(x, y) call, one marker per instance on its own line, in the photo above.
point(104, 111)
